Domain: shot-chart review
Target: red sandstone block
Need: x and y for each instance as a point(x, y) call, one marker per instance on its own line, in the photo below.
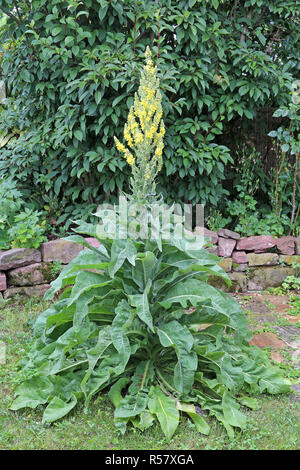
point(225, 233)
point(60, 250)
point(226, 247)
point(286, 245)
point(239, 257)
point(18, 257)
point(259, 242)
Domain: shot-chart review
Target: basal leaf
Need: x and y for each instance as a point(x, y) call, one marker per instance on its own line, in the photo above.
point(57, 409)
point(132, 405)
point(231, 411)
point(200, 423)
point(32, 392)
point(115, 391)
point(144, 269)
point(273, 382)
point(165, 410)
point(95, 354)
point(84, 260)
point(175, 335)
point(122, 320)
point(120, 251)
point(86, 281)
point(141, 303)
point(250, 402)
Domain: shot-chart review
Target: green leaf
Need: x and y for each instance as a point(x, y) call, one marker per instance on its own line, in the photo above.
point(121, 322)
point(231, 376)
point(140, 302)
point(84, 260)
point(132, 405)
point(273, 382)
point(195, 292)
point(114, 393)
point(96, 353)
point(57, 409)
point(55, 31)
point(145, 420)
point(250, 402)
point(285, 147)
point(85, 281)
point(32, 392)
point(75, 50)
point(200, 423)
point(144, 269)
point(175, 335)
point(78, 134)
point(165, 409)
point(121, 250)
point(232, 415)
point(261, 37)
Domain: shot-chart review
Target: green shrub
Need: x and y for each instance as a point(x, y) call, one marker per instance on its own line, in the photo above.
point(27, 230)
point(20, 226)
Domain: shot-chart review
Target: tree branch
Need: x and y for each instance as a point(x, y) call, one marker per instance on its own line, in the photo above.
point(8, 13)
point(245, 28)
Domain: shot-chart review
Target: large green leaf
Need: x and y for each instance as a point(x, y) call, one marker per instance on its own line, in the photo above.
point(195, 292)
point(57, 409)
point(200, 423)
point(32, 392)
point(190, 292)
point(230, 375)
point(232, 415)
point(164, 408)
point(95, 354)
point(144, 269)
point(84, 260)
point(86, 281)
point(116, 398)
point(201, 262)
point(141, 303)
point(273, 382)
point(115, 391)
point(175, 335)
point(121, 250)
point(122, 321)
point(132, 405)
point(82, 241)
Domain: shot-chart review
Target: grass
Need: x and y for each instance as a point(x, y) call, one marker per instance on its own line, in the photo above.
point(274, 426)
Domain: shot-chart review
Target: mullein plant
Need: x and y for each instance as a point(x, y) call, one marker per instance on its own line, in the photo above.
point(137, 319)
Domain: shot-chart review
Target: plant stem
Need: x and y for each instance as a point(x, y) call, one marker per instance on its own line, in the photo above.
point(166, 383)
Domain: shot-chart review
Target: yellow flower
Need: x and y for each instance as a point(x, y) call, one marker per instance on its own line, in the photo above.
point(138, 137)
point(120, 146)
point(130, 159)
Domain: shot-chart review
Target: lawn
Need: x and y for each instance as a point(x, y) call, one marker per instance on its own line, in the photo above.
point(274, 426)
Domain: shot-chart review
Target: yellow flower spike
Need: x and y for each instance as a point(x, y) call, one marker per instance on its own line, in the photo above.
point(144, 132)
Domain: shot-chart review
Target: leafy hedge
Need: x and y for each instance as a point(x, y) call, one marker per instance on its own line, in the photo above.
point(71, 69)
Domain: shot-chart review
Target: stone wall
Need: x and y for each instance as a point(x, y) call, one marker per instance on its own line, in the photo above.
point(253, 263)
point(29, 272)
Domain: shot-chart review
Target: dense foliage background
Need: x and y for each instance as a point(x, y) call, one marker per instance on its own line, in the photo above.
point(71, 69)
